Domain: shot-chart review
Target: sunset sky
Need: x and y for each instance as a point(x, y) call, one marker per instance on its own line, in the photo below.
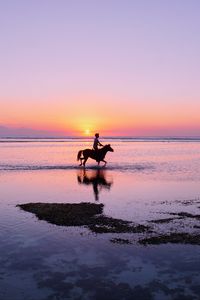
point(73, 67)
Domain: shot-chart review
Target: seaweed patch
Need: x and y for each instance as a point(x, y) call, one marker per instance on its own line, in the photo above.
point(82, 214)
point(176, 238)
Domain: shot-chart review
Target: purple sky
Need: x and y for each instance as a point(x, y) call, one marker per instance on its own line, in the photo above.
point(129, 56)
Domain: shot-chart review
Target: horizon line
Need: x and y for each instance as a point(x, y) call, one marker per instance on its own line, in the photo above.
point(105, 137)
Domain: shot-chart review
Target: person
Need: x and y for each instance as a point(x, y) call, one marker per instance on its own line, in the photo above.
point(96, 142)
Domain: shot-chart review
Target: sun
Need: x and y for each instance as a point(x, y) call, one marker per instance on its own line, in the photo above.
point(87, 132)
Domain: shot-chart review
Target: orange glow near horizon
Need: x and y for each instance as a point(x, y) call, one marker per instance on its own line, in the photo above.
point(101, 114)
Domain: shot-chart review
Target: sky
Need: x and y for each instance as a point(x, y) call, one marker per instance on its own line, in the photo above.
point(118, 67)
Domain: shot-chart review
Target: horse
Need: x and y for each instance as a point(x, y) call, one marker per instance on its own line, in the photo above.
point(97, 155)
point(96, 178)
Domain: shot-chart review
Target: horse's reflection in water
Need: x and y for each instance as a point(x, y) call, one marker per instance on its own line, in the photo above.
point(96, 178)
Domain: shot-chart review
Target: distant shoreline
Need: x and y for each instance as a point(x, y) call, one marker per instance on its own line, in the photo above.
point(127, 139)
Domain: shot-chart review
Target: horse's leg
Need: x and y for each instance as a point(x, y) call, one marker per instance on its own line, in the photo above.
point(85, 159)
point(81, 162)
point(105, 162)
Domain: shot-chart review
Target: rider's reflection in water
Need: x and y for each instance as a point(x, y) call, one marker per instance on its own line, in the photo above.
point(96, 178)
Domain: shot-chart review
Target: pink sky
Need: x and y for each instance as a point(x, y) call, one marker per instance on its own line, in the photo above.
point(120, 68)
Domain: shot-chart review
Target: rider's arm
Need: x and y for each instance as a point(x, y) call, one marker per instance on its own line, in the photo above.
point(99, 144)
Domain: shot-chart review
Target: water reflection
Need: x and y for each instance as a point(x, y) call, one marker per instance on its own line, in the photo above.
point(96, 178)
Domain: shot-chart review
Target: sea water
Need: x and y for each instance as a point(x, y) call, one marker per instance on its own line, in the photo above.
point(144, 180)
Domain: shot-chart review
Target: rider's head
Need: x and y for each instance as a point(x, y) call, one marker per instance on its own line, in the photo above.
point(97, 135)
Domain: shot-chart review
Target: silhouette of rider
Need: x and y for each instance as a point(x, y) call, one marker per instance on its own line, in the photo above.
point(96, 142)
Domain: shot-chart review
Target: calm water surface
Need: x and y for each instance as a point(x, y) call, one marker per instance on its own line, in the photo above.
point(142, 181)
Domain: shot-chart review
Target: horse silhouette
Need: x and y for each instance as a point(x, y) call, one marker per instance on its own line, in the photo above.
point(97, 155)
point(96, 178)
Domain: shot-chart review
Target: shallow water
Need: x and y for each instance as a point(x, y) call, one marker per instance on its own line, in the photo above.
point(143, 181)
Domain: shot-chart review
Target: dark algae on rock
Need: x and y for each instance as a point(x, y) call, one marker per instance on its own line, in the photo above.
point(162, 221)
point(81, 214)
point(120, 241)
point(186, 215)
point(90, 215)
point(175, 238)
point(62, 214)
point(104, 224)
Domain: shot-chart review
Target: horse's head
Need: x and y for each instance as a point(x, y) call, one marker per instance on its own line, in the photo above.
point(108, 148)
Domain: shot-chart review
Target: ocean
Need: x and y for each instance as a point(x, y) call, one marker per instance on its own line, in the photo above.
point(152, 182)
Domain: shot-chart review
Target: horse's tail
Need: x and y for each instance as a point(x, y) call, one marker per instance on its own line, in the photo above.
point(79, 154)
